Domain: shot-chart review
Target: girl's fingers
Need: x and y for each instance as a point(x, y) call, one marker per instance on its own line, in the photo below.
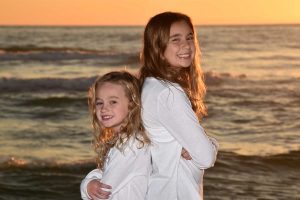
point(103, 185)
point(94, 197)
point(185, 154)
point(103, 192)
point(99, 196)
point(98, 190)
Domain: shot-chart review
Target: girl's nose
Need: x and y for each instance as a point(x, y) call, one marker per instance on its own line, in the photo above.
point(104, 108)
point(186, 44)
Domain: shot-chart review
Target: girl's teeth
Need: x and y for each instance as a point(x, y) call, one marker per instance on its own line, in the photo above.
point(184, 56)
point(106, 117)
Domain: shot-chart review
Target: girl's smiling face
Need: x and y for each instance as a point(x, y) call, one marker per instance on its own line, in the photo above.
point(180, 51)
point(111, 105)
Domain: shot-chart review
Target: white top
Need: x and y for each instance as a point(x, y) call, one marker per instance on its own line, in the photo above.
point(127, 172)
point(172, 125)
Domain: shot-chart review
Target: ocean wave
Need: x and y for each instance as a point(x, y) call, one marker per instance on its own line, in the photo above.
point(213, 78)
point(276, 162)
point(33, 48)
point(79, 84)
point(293, 46)
point(53, 101)
point(42, 179)
point(280, 57)
point(286, 160)
point(25, 164)
point(232, 177)
point(259, 103)
point(45, 84)
point(34, 53)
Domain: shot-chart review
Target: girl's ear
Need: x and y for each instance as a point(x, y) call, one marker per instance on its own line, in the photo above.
point(131, 105)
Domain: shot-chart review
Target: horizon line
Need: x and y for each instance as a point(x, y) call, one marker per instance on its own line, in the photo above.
point(138, 25)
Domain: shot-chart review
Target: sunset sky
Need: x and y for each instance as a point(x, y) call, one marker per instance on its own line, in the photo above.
point(137, 12)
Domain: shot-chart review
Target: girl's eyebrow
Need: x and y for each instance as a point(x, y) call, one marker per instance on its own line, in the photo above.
point(110, 97)
point(178, 34)
point(113, 97)
point(175, 35)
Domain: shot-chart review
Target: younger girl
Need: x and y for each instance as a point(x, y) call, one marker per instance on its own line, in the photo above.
point(173, 93)
point(119, 140)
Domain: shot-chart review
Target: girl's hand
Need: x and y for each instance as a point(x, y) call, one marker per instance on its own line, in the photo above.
point(185, 154)
point(98, 190)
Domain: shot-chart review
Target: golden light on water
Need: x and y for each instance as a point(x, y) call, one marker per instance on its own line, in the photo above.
point(256, 148)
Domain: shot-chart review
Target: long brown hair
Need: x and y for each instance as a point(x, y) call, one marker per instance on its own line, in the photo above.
point(106, 138)
point(156, 38)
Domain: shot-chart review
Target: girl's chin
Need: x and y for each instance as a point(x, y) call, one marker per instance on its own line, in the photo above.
point(182, 66)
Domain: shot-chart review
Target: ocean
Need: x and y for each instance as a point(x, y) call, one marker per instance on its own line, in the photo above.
point(253, 80)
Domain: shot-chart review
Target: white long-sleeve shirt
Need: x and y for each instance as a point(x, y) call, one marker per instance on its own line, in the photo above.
point(172, 125)
point(127, 172)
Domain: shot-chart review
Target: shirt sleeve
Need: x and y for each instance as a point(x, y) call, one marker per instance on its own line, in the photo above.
point(136, 190)
point(124, 166)
point(94, 174)
point(177, 116)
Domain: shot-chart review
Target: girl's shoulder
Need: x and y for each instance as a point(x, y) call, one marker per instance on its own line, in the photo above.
point(133, 141)
point(132, 147)
point(159, 86)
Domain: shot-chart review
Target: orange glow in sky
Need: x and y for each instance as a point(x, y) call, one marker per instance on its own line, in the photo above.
point(138, 12)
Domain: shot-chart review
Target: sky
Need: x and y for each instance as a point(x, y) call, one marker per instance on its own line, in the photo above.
point(138, 12)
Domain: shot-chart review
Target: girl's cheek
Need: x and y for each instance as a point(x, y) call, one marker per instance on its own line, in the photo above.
point(98, 115)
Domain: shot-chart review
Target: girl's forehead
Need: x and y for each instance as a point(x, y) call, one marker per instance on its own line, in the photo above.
point(110, 86)
point(178, 25)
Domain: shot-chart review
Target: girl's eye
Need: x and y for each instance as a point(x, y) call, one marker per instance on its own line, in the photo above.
point(175, 40)
point(190, 37)
point(113, 102)
point(99, 103)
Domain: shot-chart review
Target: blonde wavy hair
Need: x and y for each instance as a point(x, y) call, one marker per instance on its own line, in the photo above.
point(156, 38)
point(106, 138)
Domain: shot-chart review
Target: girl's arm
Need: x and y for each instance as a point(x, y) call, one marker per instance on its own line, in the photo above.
point(92, 188)
point(175, 113)
point(127, 165)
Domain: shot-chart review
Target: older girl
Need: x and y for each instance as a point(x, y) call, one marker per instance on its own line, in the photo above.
point(173, 93)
